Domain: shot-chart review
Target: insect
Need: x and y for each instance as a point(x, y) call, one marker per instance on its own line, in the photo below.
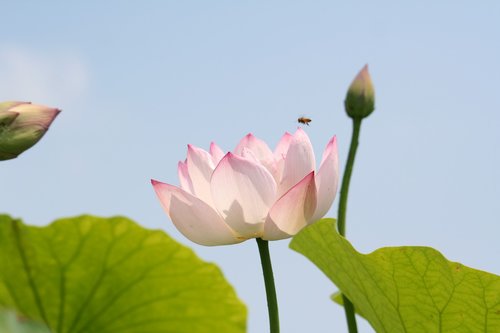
point(304, 120)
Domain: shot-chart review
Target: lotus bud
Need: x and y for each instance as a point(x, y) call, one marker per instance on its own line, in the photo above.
point(21, 126)
point(360, 99)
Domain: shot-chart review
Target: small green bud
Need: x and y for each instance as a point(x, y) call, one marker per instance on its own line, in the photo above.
point(21, 126)
point(360, 99)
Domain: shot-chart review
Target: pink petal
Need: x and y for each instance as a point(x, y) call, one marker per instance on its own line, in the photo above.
point(243, 192)
point(280, 154)
point(195, 219)
point(200, 167)
point(216, 152)
point(249, 155)
point(33, 115)
point(282, 146)
point(5, 106)
point(327, 179)
point(292, 211)
point(184, 179)
point(299, 161)
point(259, 149)
point(257, 146)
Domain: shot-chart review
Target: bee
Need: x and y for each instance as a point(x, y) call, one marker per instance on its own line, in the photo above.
point(304, 120)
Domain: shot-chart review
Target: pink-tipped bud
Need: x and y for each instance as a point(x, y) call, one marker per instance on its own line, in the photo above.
point(360, 99)
point(21, 126)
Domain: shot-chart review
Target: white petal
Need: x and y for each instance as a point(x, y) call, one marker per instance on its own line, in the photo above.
point(299, 161)
point(194, 218)
point(292, 211)
point(200, 167)
point(216, 152)
point(327, 180)
point(243, 192)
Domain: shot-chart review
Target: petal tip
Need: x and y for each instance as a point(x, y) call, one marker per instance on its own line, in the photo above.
point(300, 133)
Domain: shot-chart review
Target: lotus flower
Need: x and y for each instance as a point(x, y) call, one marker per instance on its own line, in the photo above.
point(250, 192)
point(21, 126)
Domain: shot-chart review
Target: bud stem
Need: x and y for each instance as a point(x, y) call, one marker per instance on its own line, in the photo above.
point(346, 180)
point(267, 270)
point(344, 190)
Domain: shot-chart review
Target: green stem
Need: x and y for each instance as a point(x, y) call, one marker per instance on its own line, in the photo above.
point(344, 191)
point(267, 270)
point(350, 315)
point(346, 180)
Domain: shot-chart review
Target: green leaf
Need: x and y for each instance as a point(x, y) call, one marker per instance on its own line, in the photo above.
point(405, 289)
point(10, 322)
point(90, 274)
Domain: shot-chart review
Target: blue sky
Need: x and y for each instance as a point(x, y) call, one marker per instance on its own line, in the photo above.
point(138, 82)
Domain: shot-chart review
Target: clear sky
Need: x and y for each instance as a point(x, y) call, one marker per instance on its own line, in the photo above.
point(138, 82)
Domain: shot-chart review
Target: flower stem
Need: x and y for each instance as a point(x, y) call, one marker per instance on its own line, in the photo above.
point(267, 270)
point(344, 190)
